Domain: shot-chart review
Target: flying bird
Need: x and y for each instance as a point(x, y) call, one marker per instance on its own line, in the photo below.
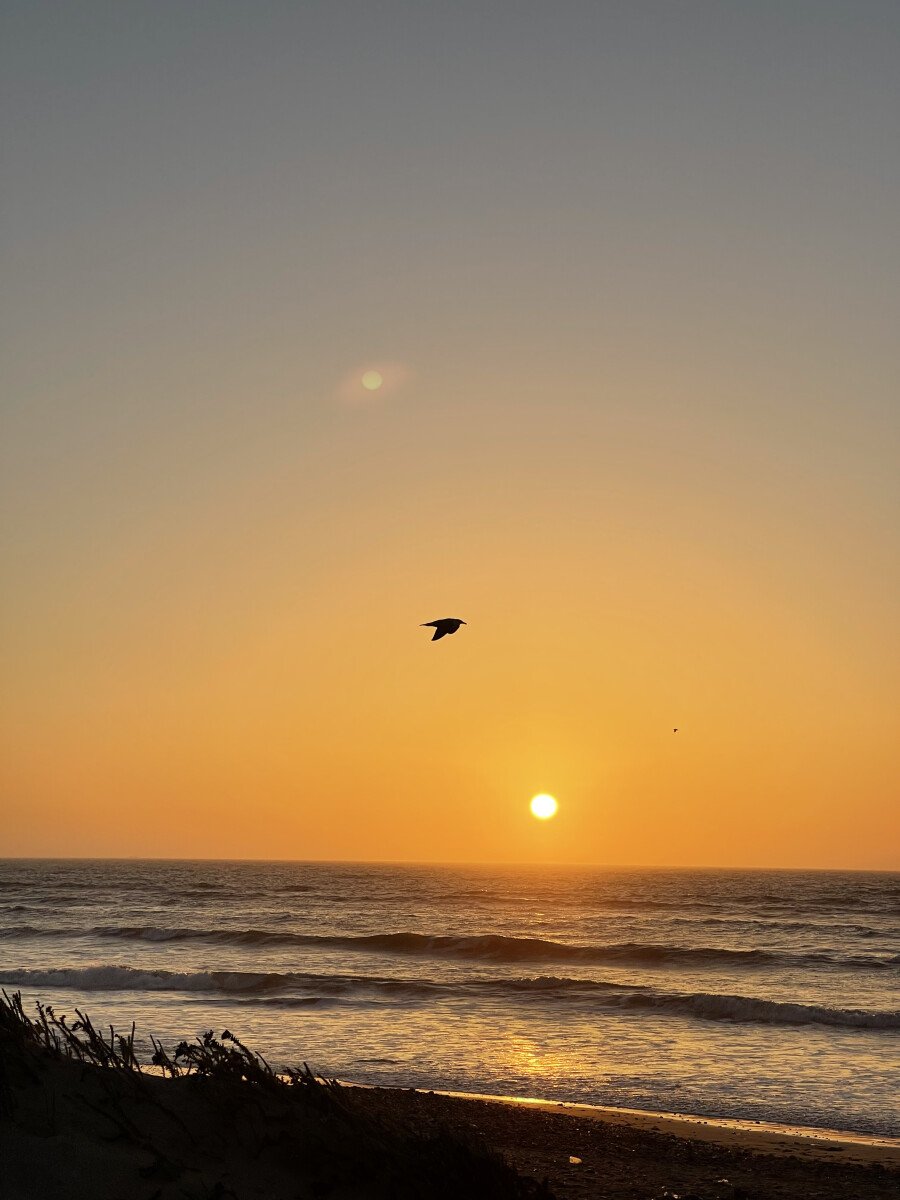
point(444, 626)
point(674, 730)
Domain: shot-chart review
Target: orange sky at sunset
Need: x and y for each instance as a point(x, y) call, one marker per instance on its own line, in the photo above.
point(637, 428)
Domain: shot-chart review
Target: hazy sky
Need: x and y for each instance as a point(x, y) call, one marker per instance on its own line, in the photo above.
point(631, 274)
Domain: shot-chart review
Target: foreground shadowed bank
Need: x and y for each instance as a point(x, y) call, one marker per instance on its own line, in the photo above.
point(79, 1118)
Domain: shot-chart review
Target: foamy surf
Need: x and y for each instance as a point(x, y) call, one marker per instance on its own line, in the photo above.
point(359, 989)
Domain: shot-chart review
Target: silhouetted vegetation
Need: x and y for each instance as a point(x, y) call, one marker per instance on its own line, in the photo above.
point(214, 1119)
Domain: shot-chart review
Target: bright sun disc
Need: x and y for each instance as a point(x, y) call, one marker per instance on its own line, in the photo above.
point(544, 806)
point(372, 381)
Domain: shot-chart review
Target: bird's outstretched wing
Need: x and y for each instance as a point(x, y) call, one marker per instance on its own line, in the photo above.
point(438, 633)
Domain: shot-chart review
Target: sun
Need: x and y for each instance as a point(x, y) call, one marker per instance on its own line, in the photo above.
point(372, 381)
point(544, 807)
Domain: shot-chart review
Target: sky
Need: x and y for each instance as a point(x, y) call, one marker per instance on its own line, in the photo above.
point(630, 275)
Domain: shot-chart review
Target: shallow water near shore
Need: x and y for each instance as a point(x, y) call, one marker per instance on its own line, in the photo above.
point(751, 995)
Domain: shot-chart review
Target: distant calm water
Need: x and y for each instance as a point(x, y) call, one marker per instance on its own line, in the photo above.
point(758, 994)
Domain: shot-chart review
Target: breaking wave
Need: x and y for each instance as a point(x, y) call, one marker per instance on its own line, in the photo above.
point(298, 989)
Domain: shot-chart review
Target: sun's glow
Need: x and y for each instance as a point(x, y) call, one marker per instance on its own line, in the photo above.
point(544, 806)
point(372, 381)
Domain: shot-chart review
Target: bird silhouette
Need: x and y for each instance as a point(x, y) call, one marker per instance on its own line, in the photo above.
point(674, 730)
point(444, 626)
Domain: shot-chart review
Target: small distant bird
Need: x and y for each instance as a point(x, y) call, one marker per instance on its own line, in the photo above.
point(444, 626)
point(674, 730)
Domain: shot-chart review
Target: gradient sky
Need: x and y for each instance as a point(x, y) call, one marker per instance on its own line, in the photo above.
point(631, 272)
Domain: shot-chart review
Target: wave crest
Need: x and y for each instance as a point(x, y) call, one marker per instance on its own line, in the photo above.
point(488, 948)
point(298, 989)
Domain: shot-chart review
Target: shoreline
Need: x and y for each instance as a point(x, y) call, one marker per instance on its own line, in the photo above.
point(764, 1137)
point(761, 1136)
point(758, 1136)
point(587, 1151)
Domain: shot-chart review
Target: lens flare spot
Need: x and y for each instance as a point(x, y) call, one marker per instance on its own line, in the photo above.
point(544, 807)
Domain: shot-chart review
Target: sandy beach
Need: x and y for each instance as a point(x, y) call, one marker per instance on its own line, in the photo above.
point(627, 1153)
point(80, 1119)
point(758, 1136)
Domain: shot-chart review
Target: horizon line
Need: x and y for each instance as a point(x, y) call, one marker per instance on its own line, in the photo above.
point(384, 862)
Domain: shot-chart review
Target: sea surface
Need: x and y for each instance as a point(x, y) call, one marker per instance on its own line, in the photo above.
point(761, 995)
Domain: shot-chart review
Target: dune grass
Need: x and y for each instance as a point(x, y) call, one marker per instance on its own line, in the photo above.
point(213, 1115)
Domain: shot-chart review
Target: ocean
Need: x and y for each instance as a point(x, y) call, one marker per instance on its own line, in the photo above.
point(759, 995)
